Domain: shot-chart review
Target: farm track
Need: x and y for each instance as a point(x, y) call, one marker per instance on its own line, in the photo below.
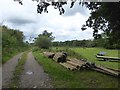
point(7, 70)
point(37, 78)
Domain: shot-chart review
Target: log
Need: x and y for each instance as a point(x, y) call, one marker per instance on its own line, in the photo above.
point(74, 60)
point(117, 70)
point(75, 64)
point(106, 70)
point(68, 66)
point(49, 54)
point(60, 57)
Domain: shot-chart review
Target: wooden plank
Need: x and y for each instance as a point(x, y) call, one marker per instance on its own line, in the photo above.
point(106, 57)
point(117, 70)
point(108, 71)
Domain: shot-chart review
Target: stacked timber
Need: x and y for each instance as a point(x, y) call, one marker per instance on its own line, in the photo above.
point(49, 54)
point(73, 64)
point(69, 66)
point(77, 64)
point(77, 61)
point(60, 57)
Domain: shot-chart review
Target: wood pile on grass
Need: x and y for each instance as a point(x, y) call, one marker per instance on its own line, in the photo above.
point(75, 64)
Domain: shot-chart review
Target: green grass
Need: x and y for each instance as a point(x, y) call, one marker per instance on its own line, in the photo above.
point(63, 78)
point(18, 70)
point(9, 55)
point(89, 54)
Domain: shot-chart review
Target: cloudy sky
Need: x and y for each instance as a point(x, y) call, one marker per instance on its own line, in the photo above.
point(64, 27)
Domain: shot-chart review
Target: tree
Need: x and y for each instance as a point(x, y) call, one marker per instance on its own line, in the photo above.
point(12, 42)
point(104, 16)
point(44, 40)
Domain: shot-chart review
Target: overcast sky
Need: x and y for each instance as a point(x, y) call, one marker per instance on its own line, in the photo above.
point(64, 27)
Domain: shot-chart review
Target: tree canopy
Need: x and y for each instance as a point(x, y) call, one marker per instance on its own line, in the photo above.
point(104, 16)
point(44, 40)
point(12, 41)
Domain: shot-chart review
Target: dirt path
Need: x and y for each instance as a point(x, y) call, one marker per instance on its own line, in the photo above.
point(8, 69)
point(33, 75)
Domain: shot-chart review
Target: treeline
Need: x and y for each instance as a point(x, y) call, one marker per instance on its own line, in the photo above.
point(101, 42)
point(45, 40)
point(12, 42)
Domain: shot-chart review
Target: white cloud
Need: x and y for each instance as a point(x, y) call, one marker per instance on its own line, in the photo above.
point(25, 18)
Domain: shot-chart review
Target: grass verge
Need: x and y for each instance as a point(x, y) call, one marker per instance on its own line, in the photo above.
point(18, 70)
point(7, 56)
point(63, 78)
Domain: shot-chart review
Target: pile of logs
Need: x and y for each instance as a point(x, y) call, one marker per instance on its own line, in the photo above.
point(60, 57)
point(75, 64)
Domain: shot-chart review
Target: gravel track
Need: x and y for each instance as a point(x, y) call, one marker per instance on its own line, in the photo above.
point(38, 78)
point(7, 70)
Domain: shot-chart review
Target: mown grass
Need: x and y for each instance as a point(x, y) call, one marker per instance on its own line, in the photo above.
point(63, 78)
point(89, 55)
point(18, 70)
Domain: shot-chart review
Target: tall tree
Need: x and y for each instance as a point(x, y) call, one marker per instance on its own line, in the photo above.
point(44, 40)
point(105, 17)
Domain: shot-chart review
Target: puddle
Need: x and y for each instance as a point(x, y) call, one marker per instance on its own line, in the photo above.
point(35, 87)
point(29, 72)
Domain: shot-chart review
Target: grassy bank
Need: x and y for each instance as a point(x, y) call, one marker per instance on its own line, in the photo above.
point(63, 78)
point(8, 53)
point(7, 56)
point(18, 70)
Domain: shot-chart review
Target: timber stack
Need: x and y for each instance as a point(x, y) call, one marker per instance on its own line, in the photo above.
point(76, 64)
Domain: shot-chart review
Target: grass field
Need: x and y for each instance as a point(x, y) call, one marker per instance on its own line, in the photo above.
point(63, 78)
point(89, 54)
